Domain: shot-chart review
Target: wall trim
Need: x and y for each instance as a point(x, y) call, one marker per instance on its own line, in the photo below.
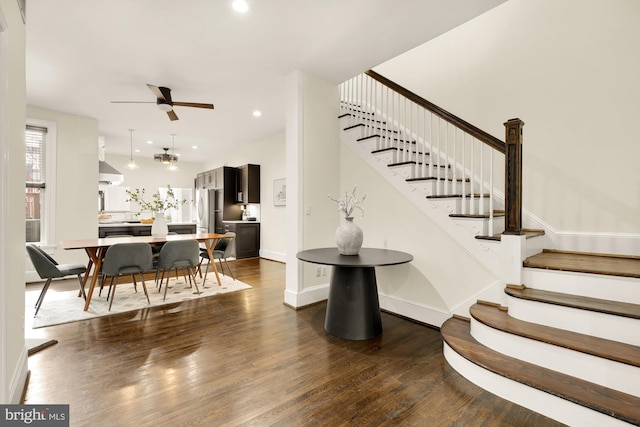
point(419, 312)
point(18, 382)
point(273, 256)
point(307, 296)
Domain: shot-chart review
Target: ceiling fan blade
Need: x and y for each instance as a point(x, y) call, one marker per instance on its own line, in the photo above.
point(156, 91)
point(194, 104)
point(172, 115)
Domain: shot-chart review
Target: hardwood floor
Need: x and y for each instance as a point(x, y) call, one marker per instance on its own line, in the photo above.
point(244, 359)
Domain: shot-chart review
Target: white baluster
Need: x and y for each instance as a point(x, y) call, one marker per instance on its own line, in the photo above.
point(491, 192)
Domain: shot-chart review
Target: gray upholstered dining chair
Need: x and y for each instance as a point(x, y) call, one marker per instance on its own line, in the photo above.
point(178, 254)
point(48, 268)
point(224, 249)
point(126, 258)
point(103, 277)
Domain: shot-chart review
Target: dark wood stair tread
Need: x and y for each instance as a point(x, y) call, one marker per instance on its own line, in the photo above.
point(456, 333)
point(586, 262)
point(617, 308)
point(434, 178)
point(496, 214)
point(498, 318)
point(458, 196)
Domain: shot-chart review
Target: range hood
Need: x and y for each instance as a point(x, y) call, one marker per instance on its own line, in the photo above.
point(107, 174)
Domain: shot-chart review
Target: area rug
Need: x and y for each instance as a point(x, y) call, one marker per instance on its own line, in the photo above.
point(65, 307)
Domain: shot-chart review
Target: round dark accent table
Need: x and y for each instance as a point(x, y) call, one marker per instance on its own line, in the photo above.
point(353, 309)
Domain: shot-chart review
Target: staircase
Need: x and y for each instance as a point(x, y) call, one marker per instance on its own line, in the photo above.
point(563, 335)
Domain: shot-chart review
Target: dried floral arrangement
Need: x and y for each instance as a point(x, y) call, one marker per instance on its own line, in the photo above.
point(350, 203)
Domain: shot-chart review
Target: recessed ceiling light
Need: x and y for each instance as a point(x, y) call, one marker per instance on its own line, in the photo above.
point(149, 142)
point(137, 150)
point(240, 6)
point(257, 113)
point(195, 147)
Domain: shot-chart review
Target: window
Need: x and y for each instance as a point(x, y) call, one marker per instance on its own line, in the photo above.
point(39, 182)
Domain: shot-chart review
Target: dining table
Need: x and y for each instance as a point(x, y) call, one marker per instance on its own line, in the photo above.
point(97, 248)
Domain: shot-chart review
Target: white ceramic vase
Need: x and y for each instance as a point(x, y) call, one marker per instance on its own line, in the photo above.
point(349, 237)
point(159, 228)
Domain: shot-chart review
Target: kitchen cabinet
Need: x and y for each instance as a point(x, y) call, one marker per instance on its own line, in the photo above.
point(248, 184)
point(218, 178)
point(209, 180)
point(230, 210)
point(115, 198)
point(247, 239)
point(141, 229)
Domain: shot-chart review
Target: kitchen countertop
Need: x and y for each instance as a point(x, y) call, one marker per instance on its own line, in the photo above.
point(133, 223)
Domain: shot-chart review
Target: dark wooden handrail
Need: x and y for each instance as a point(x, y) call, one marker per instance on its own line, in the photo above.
point(477, 133)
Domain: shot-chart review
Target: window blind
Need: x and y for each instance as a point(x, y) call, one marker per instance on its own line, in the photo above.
point(35, 149)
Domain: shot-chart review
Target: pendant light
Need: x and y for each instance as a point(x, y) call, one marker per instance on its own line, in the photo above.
point(132, 164)
point(172, 164)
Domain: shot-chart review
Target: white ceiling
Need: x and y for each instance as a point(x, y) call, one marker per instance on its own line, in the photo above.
point(82, 54)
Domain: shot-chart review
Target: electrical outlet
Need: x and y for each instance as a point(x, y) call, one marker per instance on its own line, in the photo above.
point(323, 270)
point(318, 271)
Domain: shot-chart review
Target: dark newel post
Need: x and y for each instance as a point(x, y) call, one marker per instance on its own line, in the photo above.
point(513, 177)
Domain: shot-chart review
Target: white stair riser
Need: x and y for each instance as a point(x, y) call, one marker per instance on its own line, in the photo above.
point(623, 289)
point(608, 326)
point(458, 205)
point(480, 226)
point(618, 376)
point(406, 171)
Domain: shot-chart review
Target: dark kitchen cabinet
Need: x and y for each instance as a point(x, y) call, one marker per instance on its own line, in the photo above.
point(247, 238)
point(230, 210)
point(248, 184)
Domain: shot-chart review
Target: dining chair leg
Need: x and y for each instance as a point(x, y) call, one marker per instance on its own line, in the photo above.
point(102, 279)
point(229, 268)
point(135, 285)
point(206, 270)
point(41, 296)
point(84, 295)
point(144, 287)
point(193, 273)
point(112, 291)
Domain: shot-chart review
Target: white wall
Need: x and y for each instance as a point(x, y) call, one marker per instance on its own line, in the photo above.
point(570, 71)
point(152, 174)
point(76, 180)
point(13, 360)
point(270, 155)
point(442, 274)
point(313, 167)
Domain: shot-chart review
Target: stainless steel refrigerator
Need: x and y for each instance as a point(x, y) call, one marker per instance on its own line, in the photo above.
point(209, 207)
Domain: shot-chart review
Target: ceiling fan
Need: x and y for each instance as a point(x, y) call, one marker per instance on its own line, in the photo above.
point(165, 103)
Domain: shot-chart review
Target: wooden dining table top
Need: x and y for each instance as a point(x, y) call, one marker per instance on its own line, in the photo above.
point(110, 241)
point(97, 248)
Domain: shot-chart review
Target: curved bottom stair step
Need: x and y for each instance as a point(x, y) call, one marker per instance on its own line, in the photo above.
point(457, 334)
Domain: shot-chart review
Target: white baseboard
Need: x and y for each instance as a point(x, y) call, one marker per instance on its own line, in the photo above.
point(19, 378)
point(419, 312)
point(274, 256)
point(307, 296)
point(585, 241)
